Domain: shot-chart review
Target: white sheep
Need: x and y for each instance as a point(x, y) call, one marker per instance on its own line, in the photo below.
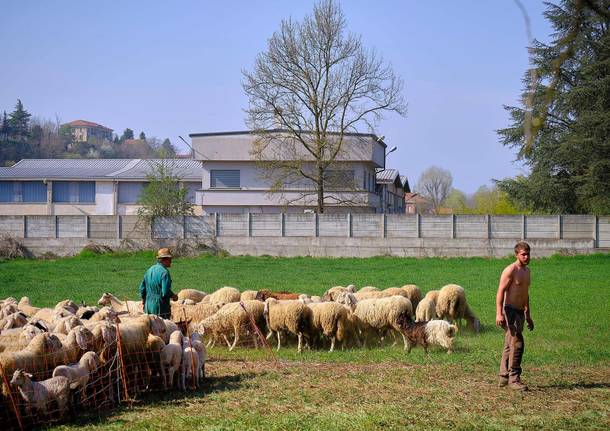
point(194, 313)
point(368, 289)
point(38, 395)
point(79, 374)
point(171, 356)
point(290, 316)
point(329, 319)
point(413, 293)
point(452, 305)
point(432, 295)
point(225, 294)
point(199, 346)
point(332, 293)
point(15, 320)
point(134, 308)
point(189, 366)
point(248, 295)
point(192, 294)
point(382, 314)
point(439, 332)
point(26, 306)
point(426, 310)
point(232, 319)
point(66, 324)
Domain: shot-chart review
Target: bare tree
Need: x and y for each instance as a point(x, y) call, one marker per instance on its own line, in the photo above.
point(435, 185)
point(313, 87)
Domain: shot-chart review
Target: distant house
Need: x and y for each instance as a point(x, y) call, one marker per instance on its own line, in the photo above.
point(416, 203)
point(85, 186)
point(232, 182)
point(84, 131)
point(391, 188)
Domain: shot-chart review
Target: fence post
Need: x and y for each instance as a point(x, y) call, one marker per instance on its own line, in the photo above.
point(559, 226)
point(596, 232)
point(282, 225)
point(488, 226)
point(118, 226)
point(452, 226)
point(418, 224)
point(249, 224)
point(56, 227)
point(183, 227)
point(316, 228)
point(215, 224)
point(384, 221)
point(25, 226)
point(523, 227)
point(87, 235)
point(349, 225)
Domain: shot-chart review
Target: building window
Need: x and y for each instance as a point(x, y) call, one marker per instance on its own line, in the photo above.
point(129, 192)
point(339, 179)
point(23, 191)
point(74, 192)
point(224, 178)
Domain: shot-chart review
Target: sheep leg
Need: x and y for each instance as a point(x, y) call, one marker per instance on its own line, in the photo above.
point(279, 340)
point(235, 339)
point(226, 340)
point(404, 339)
point(269, 334)
point(164, 376)
point(332, 343)
point(300, 345)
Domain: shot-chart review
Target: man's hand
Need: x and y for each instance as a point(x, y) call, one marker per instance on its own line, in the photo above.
point(500, 320)
point(530, 323)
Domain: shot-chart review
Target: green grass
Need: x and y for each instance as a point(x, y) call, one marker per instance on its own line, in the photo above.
point(567, 357)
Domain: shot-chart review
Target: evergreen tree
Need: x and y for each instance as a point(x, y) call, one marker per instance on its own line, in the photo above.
point(562, 129)
point(19, 123)
point(142, 136)
point(127, 134)
point(168, 148)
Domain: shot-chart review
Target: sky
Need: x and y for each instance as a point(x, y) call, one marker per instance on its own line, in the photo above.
point(174, 68)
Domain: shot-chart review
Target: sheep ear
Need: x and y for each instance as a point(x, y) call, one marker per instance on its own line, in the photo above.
point(28, 375)
point(81, 340)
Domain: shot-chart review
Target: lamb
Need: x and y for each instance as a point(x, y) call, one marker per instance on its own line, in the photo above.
point(426, 310)
point(189, 366)
point(332, 293)
point(66, 324)
point(382, 314)
point(224, 294)
point(293, 317)
point(171, 355)
point(197, 344)
point(192, 294)
point(413, 293)
point(439, 332)
point(38, 395)
point(26, 307)
point(78, 340)
point(134, 308)
point(330, 319)
point(67, 304)
point(248, 295)
point(15, 320)
point(452, 305)
point(78, 374)
point(232, 318)
point(263, 294)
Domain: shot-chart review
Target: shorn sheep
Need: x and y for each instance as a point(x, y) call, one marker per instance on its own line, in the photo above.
point(290, 316)
point(439, 332)
point(38, 395)
point(452, 305)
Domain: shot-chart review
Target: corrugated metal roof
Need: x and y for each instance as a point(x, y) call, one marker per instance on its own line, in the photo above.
point(97, 168)
point(387, 176)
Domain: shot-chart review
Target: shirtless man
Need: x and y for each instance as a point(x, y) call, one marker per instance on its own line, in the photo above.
point(512, 309)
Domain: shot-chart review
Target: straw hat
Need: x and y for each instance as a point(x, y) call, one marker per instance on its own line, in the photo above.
point(163, 252)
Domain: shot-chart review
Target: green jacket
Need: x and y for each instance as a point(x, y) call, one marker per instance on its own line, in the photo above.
point(156, 291)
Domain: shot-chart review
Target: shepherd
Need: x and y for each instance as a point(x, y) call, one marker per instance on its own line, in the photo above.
point(156, 287)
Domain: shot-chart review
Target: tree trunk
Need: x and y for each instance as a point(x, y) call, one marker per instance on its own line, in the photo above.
point(320, 190)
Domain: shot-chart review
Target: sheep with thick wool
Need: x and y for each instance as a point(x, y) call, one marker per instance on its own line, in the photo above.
point(386, 293)
point(432, 295)
point(381, 314)
point(25, 305)
point(413, 293)
point(225, 294)
point(426, 310)
point(232, 319)
point(329, 319)
point(290, 316)
point(12, 321)
point(332, 293)
point(248, 295)
point(452, 305)
point(192, 294)
point(195, 313)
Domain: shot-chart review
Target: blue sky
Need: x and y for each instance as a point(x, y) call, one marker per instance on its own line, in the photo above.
point(174, 68)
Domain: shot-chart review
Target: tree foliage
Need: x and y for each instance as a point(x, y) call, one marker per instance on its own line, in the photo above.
point(164, 195)
point(561, 131)
point(314, 84)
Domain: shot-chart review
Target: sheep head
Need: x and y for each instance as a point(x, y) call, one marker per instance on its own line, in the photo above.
point(21, 378)
point(105, 299)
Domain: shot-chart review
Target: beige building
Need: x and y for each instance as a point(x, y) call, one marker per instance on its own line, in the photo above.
point(84, 131)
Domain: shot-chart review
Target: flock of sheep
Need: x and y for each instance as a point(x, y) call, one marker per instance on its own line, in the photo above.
point(52, 356)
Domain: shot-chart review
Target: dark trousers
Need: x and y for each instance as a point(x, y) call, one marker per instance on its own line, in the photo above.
point(510, 365)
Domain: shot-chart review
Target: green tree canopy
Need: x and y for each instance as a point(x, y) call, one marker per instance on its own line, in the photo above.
point(561, 131)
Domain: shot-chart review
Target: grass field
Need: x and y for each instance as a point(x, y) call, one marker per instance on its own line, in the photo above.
point(566, 363)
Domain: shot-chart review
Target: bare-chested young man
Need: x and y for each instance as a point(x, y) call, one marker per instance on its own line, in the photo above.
point(512, 310)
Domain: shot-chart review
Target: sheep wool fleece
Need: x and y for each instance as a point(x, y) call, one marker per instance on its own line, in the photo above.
point(156, 291)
